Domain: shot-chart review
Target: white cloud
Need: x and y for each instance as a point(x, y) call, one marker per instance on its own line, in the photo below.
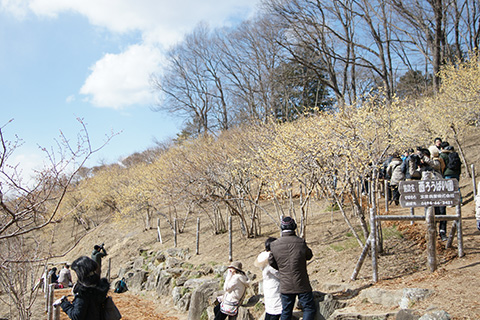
point(70, 98)
point(143, 15)
point(119, 80)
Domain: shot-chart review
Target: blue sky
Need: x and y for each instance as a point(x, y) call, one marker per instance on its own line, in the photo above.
point(92, 59)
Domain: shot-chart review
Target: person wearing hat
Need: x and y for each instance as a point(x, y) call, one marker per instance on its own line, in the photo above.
point(90, 292)
point(235, 286)
point(289, 255)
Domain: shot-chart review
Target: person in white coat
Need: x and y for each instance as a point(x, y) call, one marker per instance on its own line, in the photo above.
point(271, 284)
point(235, 286)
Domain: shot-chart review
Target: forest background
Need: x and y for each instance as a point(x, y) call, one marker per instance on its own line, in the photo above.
point(304, 101)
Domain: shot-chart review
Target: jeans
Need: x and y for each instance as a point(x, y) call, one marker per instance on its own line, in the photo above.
point(305, 299)
point(441, 211)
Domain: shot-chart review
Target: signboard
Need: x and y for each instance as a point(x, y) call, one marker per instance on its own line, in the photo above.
point(429, 193)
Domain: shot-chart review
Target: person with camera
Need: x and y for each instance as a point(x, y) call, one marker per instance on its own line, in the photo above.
point(90, 292)
point(97, 256)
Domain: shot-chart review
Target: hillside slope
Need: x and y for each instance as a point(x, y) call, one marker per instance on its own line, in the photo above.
point(403, 263)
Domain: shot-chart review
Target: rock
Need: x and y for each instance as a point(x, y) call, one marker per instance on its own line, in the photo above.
point(200, 297)
point(436, 315)
point(138, 263)
point(179, 253)
point(171, 263)
point(160, 257)
point(181, 298)
point(335, 287)
point(345, 314)
point(195, 283)
point(326, 305)
point(388, 298)
point(412, 295)
point(205, 269)
point(407, 314)
point(164, 283)
point(244, 314)
point(136, 279)
point(219, 270)
point(175, 272)
point(180, 281)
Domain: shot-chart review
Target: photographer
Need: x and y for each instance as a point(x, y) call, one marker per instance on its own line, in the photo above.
point(97, 255)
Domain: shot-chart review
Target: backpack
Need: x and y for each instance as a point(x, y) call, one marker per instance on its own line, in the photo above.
point(454, 162)
point(121, 286)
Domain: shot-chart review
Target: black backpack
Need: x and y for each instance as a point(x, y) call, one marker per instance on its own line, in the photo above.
point(454, 162)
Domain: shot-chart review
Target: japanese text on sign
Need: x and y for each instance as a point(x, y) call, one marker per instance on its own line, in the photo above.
point(428, 186)
point(423, 193)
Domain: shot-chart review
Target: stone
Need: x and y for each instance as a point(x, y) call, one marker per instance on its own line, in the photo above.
point(195, 283)
point(407, 314)
point(385, 297)
point(164, 284)
point(200, 298)
point(138, 263)
point(326, 305)
point(413, 295)
point(136, 279)
point(178, 253)
point(436, 315)
point(172, 262)
point(160, 257)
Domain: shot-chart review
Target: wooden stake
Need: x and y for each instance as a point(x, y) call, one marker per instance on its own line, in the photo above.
point(230, 240)
point(431, 239)
point(198, 237)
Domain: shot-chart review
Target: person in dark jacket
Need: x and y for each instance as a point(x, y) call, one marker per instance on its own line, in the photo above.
point(90, 292)
point(97, 256)
point(289, 255)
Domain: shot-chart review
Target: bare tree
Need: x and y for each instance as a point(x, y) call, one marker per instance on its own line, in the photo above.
point(193, 85)
point(28, 208)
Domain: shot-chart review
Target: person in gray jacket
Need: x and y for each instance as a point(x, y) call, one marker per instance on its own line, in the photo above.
point(289, 255)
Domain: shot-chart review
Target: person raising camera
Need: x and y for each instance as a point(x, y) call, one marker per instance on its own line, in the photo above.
point(97, 255)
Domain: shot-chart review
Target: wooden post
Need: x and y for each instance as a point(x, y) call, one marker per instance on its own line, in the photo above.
point(109, 268)
point(473, 181)
point(373, 244)
point(386, 195)
point(159, 233)
point(56, 313)
point(361, 259)
point(45, 281)
point(458, 210)
point(198, 237)
point(51, 290)
point(230, 241)
point(175, 232)
point(431, 239)
point(370, 193)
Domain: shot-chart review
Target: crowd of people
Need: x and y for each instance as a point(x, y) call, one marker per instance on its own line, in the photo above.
point(285, 278)
point(438, 161)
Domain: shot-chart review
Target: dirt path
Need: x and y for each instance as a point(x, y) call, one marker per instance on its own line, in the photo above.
point(132, 307)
